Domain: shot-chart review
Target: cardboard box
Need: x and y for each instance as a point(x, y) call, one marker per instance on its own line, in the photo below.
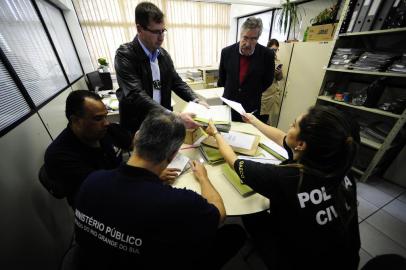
point(321, 32)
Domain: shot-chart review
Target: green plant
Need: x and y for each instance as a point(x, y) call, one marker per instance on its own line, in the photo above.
point(326, 16)
point(102, 61)
point(289, 15)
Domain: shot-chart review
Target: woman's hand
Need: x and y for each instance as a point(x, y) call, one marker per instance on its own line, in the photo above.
point(249, 118)
point(211, 128)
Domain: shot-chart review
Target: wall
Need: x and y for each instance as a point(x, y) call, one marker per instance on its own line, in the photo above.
point(36, 229)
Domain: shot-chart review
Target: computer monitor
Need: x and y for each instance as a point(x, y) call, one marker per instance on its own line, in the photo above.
point(94, 81)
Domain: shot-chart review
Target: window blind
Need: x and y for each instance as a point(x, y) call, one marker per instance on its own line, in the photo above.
point(61, 39)
point(27, 47)
point(12, 104)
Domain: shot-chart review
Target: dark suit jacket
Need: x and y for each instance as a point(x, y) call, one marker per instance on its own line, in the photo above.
point(134, 77)
point(259, 76)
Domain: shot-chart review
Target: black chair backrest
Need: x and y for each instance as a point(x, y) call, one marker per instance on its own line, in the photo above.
point(54, 187)
point(106, 80)
point(94, 81)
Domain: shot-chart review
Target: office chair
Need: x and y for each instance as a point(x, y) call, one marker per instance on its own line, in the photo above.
point(106, 80)
point(93, 81)
point(54, 187)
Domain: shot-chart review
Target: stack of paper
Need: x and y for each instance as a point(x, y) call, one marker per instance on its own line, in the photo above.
point(246, 144)
point(179, 162)
point(211, 155)
point(274, 149)
point(220, 114)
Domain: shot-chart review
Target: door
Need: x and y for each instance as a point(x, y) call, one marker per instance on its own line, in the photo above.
point(304, 79)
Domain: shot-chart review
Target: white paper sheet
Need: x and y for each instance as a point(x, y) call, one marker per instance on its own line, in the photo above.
point(219, 113)
point(261, 160)
point(238, 139)
point(179, 162)
point(275, 147)
point(234, 105)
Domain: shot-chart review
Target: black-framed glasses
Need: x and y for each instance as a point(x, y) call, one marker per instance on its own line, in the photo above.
point(157, 32)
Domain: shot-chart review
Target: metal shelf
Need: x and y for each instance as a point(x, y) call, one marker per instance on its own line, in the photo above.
point(375, 32)
point(374, 73)
point(362, 108)
point(370, 143)
point(357, 170)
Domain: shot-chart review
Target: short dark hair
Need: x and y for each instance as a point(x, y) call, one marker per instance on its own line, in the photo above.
point(75, 100)
point(145, 12)
point(160, 135)
point(273, 42)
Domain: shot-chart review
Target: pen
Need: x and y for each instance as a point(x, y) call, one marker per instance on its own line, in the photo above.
point(254, 111)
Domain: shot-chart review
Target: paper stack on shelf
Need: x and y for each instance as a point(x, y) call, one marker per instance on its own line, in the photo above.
point(195, 75)
point(343, 57)
point(399, 65)
point(374, 61)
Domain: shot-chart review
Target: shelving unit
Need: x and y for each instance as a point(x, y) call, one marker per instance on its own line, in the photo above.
point(369, 41)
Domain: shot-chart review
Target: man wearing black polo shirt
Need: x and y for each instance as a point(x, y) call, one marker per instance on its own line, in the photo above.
point(128, 218)
point(85, 145)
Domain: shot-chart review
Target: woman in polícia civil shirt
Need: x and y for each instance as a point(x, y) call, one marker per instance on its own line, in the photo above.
point(313, 220)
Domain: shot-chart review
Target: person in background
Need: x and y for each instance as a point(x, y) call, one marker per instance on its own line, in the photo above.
point(146, 74)
point(128, 218)
point(313, 221)
point(271, 98)
point(85, 145)
point(246, 68)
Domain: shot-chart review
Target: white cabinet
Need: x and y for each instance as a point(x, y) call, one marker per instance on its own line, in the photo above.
point(305, 75)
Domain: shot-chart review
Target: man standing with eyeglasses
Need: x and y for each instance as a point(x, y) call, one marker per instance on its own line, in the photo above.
point(246, 68)
point(146, 74)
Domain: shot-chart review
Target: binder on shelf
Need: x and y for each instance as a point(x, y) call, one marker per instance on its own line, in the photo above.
point(372, 14)
point(354, 16)
point(362, 15)
point(235, 180)
point(383, 14)
point(348, 15)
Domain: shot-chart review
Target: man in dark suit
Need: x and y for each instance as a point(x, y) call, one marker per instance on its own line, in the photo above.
point(146, 74)
point(246, 68)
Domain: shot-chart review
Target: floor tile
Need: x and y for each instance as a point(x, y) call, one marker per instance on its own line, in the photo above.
point(402, 197)
point(397, 208)
point(365, 208)
point(389, 188)
point(376, 243)
point(390, 226)
point(372, 194)
point(364, 258)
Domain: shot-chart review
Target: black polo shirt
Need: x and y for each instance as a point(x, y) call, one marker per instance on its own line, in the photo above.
point(128, 217)
point(307, 229)
point(69, 161)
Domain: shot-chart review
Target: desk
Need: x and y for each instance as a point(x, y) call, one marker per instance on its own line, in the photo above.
point(235, 204)
point(109, 99)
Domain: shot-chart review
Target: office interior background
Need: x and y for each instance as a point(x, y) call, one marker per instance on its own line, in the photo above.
point(48, 46)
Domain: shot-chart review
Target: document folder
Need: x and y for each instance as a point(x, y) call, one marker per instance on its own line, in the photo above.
point(235, 139)
point(354, 16)
point(235, 180)
point(372, 14)
point(383, 14)
point(362, 15)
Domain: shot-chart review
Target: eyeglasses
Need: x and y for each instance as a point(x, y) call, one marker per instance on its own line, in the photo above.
point(156, 32)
